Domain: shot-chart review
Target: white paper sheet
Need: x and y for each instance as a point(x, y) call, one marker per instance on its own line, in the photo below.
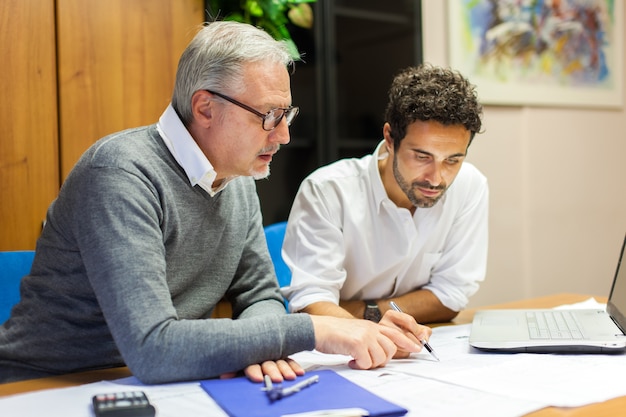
point(555, 379)
point(422, 396)
point(426, 397)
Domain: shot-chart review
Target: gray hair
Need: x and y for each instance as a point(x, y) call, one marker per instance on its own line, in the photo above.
point(215, 58)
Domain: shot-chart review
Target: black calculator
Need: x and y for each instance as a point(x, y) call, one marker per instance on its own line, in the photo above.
point(122, 404)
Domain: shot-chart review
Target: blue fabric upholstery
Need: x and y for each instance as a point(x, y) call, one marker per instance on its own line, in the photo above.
point(13, 266)
point(275, 234)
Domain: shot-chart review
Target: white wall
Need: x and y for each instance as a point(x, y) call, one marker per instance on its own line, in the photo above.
point(558, 190)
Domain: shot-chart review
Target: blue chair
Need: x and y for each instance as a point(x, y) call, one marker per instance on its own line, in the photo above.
point(13, 266)
point(275, 234)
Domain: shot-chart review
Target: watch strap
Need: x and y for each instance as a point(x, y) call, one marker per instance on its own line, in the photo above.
point(372, 312)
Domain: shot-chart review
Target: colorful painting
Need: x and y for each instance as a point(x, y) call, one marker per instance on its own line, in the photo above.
point(540, 52)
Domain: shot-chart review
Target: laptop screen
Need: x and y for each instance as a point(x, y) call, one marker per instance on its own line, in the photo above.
point(616, 307)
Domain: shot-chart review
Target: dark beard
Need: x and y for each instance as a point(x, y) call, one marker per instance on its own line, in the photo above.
point(409, 189)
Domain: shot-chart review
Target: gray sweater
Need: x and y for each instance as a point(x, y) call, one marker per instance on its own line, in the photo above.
point(130, 265)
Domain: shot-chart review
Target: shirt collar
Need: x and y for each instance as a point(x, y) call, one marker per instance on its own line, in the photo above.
point(187, 153)
point(380, 195)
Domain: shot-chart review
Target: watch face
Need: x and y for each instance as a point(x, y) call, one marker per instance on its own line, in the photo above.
point(372, 312)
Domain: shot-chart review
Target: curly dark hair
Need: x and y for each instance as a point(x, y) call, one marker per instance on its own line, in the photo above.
point(427, 92)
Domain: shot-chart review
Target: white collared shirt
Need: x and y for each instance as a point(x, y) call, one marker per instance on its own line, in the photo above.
point(347, 240)
point(187, 153)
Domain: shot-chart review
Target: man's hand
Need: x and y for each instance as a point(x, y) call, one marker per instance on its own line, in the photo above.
point(371, 345)
point(277, 370)
point(411, 329)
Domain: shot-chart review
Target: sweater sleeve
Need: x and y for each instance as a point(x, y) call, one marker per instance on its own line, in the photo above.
point(254, 290)
point(122, 245)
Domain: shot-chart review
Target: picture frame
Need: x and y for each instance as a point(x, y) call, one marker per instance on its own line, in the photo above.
point(567, 53)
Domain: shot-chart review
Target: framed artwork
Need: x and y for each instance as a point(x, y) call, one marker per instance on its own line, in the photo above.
point(540, 52)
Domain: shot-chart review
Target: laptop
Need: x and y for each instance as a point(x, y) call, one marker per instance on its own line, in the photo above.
point(557, 330)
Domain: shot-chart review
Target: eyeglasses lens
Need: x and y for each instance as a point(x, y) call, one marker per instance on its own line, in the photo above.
point(273, 118)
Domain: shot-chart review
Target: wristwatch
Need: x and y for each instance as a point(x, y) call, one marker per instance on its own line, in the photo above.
point(372, 312)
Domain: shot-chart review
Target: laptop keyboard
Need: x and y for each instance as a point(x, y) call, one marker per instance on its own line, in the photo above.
point(553, 325)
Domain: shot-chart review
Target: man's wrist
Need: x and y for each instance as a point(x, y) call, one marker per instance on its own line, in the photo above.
point(372, 312)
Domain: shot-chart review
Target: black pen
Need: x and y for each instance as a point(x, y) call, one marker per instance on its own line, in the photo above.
point(425, 343)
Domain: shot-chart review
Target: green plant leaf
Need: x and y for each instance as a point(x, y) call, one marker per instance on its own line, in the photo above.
point(254, 8)
point(301, 15)
point(270, 15)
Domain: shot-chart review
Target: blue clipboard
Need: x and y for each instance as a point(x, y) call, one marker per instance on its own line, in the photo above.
point(239, 397)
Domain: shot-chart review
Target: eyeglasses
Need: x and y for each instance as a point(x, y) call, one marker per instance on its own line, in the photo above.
point(272, 118)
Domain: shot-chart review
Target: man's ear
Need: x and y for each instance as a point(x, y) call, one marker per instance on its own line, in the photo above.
point(388, 138)
point(202, 108)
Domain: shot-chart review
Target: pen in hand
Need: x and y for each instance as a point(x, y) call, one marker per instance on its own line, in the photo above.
point(425, 343)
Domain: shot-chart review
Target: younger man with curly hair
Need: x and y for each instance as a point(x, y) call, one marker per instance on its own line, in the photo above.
point(407, 223)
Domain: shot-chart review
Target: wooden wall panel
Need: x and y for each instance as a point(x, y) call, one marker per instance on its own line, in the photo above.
point(29, 174)
point(117, 63)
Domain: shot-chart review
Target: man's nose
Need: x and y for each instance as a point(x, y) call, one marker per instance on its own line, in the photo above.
point(280, 134)
point(434, 174)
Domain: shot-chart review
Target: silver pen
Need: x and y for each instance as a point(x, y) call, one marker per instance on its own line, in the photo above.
point(276, 392)
point(425, 343)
